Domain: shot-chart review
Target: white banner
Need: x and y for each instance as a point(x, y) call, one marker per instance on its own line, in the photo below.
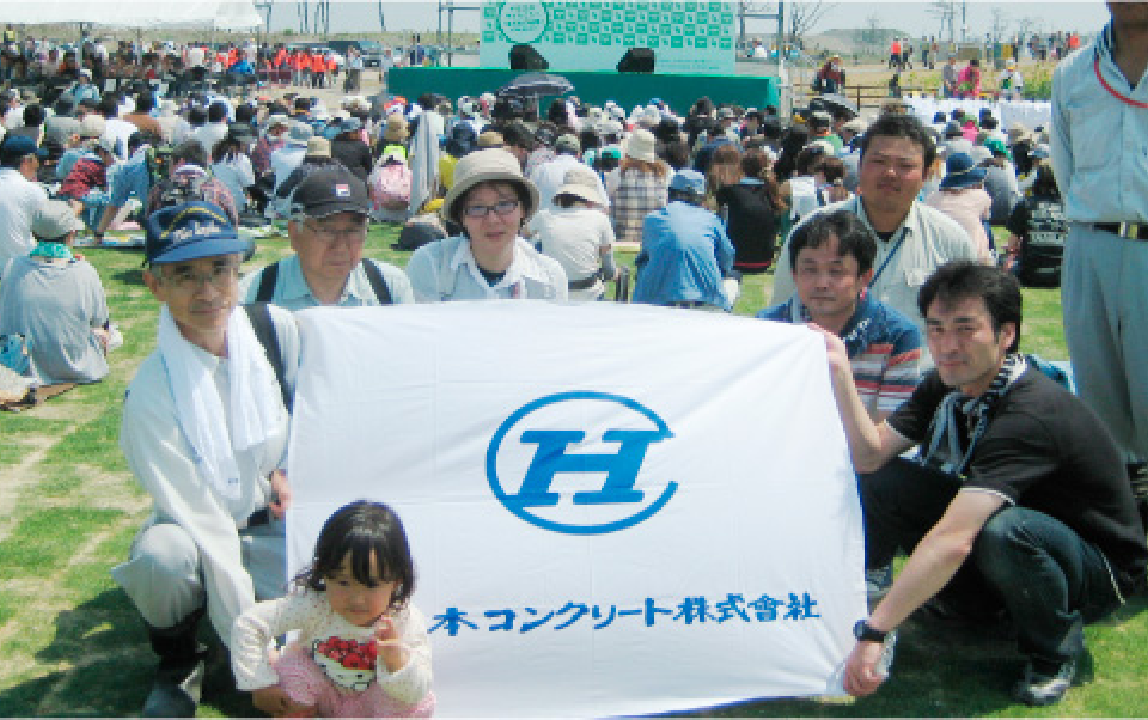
point(613, 509)
point(686, 37)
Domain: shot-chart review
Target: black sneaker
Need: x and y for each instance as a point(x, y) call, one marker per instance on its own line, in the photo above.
point(1038, 689)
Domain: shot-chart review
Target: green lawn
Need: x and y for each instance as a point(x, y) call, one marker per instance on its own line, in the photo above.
point(72, 645)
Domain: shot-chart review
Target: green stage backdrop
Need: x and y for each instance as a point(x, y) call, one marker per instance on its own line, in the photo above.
point(686, 37)
point(626, 89)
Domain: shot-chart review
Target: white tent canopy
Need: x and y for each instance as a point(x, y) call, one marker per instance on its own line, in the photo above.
point(208, 14)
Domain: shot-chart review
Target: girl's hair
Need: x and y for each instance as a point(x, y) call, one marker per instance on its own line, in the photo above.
point(755, 164)
point(657, 169)
point(725, 167)
point(356, 533)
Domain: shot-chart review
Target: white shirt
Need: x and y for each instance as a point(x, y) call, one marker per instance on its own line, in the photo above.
point(548, 177)
point(576, 238)
point(121, 130)
point(208, 135)
point(309, 612)
point(931, 239)
point(158, 453)
point(446, 270)
point(286, 159)
point(19, 199)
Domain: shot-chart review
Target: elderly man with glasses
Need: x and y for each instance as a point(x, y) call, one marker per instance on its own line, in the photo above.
point(205, 433)
point(328, 229)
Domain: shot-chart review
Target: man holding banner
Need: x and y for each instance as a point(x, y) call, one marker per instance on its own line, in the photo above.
point(205, 433)
point(1017, 506)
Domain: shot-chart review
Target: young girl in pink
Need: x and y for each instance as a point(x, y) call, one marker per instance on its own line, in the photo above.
point(362, 648)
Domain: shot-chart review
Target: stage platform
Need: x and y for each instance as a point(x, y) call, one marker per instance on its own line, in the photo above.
point(595, 87)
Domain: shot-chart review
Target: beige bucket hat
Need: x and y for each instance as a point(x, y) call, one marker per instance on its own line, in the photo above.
point(641, 145)
point(484, 166)
point(581, 182)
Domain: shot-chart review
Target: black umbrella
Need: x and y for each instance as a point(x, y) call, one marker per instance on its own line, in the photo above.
point(833, 102)
point(535, 85)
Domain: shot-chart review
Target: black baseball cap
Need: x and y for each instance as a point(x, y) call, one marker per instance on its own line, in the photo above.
point(331, 190)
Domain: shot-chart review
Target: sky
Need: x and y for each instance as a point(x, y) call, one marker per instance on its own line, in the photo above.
point(913, 17)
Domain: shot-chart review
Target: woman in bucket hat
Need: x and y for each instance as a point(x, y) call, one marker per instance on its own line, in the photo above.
point(491, 201)
point(638, 186)
point(576, 232)
point(963, 198)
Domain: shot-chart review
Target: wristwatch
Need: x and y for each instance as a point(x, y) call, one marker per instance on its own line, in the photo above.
point(866, 632)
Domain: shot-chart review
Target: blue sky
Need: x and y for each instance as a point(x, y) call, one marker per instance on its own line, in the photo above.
point(349, 15)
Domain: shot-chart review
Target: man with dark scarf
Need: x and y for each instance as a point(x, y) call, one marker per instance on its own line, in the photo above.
point(1017, 507)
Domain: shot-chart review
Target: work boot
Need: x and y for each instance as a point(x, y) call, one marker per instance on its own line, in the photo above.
point(178, 683)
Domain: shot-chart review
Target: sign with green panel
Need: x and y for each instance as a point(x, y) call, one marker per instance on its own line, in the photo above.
point(595, 35)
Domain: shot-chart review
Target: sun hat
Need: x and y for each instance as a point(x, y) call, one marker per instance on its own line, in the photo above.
point(581, 182)
point(568, 142)
point(107, 143)
point(997, 147)
point(1018, 132)
point(492, 164)
point(84, 72)
point(641, 145)
point(92, 126)
point(190, 231)
point(300, 133)
point(688, 181)
point(396, 129)
point(489, 139)
point(726, 113)
point(350, 124)
point(961, 172)
point(278, 120)
point(650, 116)
point(1041, 152)
point(318, 147)
point(53, 219)
point(980, 153)
point(330, 190)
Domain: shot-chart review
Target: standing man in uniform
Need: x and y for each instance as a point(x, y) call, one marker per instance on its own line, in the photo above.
point(1100, 157)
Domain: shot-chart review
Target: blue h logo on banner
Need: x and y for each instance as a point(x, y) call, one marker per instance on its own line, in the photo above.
point(553, 458)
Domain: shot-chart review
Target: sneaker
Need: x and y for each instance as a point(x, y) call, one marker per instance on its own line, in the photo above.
point(1038, 689)
point(877, 582)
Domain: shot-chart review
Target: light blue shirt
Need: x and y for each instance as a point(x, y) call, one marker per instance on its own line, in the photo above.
point(130, 179)
point(1099, 143)
point(293, 293)
point(685, 254)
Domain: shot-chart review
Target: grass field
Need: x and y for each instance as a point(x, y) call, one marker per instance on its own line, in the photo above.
point(72, 645)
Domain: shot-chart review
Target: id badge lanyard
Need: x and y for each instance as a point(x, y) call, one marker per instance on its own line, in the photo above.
point(1111, 90)
point(888, 257)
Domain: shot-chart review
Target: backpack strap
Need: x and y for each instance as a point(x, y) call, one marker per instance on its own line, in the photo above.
point(378, 285)
point(267, 280)
point(264, 327)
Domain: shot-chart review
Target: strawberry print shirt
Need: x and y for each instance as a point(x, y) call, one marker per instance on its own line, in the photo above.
point(345, 652)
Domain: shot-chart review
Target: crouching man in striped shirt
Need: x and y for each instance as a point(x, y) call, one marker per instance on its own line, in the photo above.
point(831, 258)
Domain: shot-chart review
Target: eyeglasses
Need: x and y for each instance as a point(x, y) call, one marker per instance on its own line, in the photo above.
point(353, 235)
point(218, 277)
point(501, 208)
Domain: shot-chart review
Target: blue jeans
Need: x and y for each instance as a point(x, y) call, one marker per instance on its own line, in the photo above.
point(1048, 579)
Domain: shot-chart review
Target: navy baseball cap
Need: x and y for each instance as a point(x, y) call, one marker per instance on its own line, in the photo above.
point(15, 147)
point(190, 231)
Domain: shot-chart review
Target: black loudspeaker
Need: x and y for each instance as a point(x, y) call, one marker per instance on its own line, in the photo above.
point(525, 57)
point(637, 60)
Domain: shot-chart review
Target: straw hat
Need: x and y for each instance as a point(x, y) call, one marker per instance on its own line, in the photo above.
point(490, 139)
point(397, 129)
point(581, 182)
point(484, 166)
point(641, 145)
point(318, 147)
